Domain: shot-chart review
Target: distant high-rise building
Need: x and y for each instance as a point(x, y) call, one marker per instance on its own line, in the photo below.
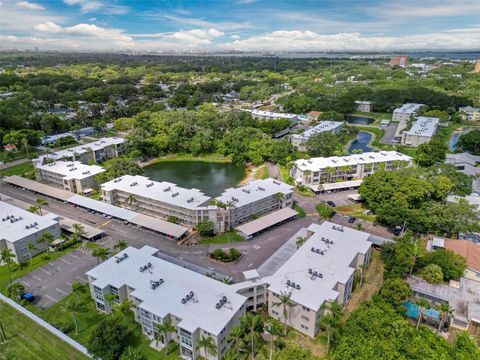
point(399, 61)
point(477, 67)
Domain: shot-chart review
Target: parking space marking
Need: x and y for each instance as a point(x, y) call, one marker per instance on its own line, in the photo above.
point(45, 271)
point(104, 224)
point(75, 257)
point(36, 277)
point(81, 279)
point(65, 261)
point(66, 282)
point(59, 268)
point(25, 283)
point(51, 264)
point(63, 292)
point(51, 298)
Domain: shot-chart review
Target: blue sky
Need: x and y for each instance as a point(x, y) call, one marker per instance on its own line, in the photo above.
point(157, 25)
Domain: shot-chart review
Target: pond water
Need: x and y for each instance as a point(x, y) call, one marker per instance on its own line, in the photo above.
point(360, 120)
point(455, 136)
point(361, 142)
point(211, 178)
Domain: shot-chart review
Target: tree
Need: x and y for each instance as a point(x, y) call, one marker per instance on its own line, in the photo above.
point(253, 327)
point(395, 291)
point(7, 257)
point(431, 153)
point(206, 228)
point(163, 329)
point(236, 335)
point(101, 254)
point(469, 142)
point(446, 311)
point(432, 274)
point(34, 209)
point(40, 203)
point(77, 232)
point(131, 201)
point(78, 289)
point(108, 339)
point(465, 347)
point(120, 310)
point(331, 320)
point(208, 346)
point(121, 245)
point(15, 291)
point(72, 306)
point(452, 265)
point(285, 302)
point(274, 330)
point(422, 305)
point(47, 237)
point(131, 353)
point(300, 241)
point(31, 247)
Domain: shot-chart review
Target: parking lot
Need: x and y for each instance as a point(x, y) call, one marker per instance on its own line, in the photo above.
point(53, 281)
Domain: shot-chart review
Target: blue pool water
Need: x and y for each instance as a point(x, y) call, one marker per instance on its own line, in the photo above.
point(413, 311)
point(360, 120)
point(361, 142)
point(455, 136)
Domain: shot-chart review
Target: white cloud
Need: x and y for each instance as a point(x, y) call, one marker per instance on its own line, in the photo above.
point(425, 8)
point(190, 38)
point(30, 5)
point(235, 37)
point(49, 27)
point(98, 6)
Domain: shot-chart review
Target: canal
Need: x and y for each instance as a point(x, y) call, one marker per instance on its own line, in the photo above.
point(361, 142)
point(455, 136)
point(210, 177)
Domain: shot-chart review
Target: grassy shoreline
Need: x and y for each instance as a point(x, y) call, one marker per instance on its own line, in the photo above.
point(213, 158)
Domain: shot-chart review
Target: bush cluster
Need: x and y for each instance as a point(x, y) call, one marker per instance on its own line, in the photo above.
point(224, 256)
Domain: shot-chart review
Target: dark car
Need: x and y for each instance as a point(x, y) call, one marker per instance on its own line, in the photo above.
point(331, 203)
point(28, 297)
point(351, 219)
point(397, 231)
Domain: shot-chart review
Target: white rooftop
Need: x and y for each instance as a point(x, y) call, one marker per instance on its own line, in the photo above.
point(201, 312)
point(80, 149)
point(358, 102)
point(323, 126)
point(253, 191)
point(468, 109)
point(424, 126)
point(408, 108)
point(333, 265)
point(271, 114)
point(161, 191)
point(315, 164)
point(72, 169)
point(19, 222)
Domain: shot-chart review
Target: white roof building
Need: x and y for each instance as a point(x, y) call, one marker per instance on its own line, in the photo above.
point(254, 191)
point(18, 224)
point(323, 126)
point(72, 169)
point(271, 115)
point(316, 164)
point(424, 127)
point(408, 108)
point(161, 191)
point(166, 299)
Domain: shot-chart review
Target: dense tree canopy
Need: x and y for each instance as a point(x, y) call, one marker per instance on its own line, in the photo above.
point(469, 142)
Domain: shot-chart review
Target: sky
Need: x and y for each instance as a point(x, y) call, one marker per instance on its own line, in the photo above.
point(245, 25)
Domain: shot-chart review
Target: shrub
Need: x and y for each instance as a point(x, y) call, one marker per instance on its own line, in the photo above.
point(324, 211)
point(432, 273)
point(223, 256)
point(206, 228)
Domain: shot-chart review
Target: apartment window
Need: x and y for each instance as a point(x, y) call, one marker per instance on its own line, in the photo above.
point(305, 318)
point(304, 327)
point(100, 306)
point(305, 308)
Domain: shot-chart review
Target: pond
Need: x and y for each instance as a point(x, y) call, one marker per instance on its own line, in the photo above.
point(361, 142)
point(360, 120)
point(455, 136)
point(210, 177)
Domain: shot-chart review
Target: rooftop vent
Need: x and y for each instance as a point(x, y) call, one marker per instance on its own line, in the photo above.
point(221, 302)
point(276, 182)
point(338, 228)
point(189, 297)
point(134, 183)
point(246, 191)
point(149, 185)
point(293, 285)
point(167, 189)
point(145, 267)
point(119, 259)
point(261, 188)
point(175, 194)
point(154, 284)
point(117, 180)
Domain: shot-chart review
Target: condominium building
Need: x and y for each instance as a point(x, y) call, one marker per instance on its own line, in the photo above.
point(342, 172)
point(321, 271)
point(464, 162)
point(470, 113)
point(100, 150)
point(161, 199)
point(364, 106)
point(421, 132)
point(401, 61)
point(403, 114)
point(299, 140)
point(69, 175)
point(20, 229)
point(254, 199)
point(270, 115)
point(198, 306)
point(477, 67)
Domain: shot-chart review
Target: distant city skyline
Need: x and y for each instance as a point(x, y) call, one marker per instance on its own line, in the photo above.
point(244, 25)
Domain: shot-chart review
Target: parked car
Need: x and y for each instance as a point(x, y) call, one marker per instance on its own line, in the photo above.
point(28, 297)
point(331, 203)
point(397, 231)
point(351, 219)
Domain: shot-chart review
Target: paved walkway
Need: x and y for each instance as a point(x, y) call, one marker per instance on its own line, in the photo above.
point(46, 325)
point(6, 165)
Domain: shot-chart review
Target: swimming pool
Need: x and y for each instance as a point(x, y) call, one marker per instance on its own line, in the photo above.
point(413, 311)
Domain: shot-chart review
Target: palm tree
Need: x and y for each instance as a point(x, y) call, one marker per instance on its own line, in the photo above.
point(47, 237)
point(253, 326)
point(446, 311)
point(163, 329)
point(332, 320)
point(25, 145)
point(229, 205)
point(285, 302)
point(227, 280)
point(78, 289)
point(274, 330)
point(120, 310)
point(101, 254)
point(7, 257)
point(121, 245)
point(208, 345)
point(280, 197)
point(300, 241)
point(422, 305)
point(72, 306)
point(34, 209)
point(131, 199)
point(31, 247)
point(15, 291)
point(77, 232)
point(361, 268)
point(235, 336)
point(41, 202)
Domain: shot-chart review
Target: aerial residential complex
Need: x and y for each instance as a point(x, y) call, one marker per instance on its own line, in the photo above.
point(102, 149)
point(73, 176)
point(299, 140)
point(465, 163)
point(364, 106)
point(470, 113)
point(403, 114)
point(191, 206)
point(341, 172)
point(198, 306)
point(421, 132)
point(269, 115)
point(20, 228)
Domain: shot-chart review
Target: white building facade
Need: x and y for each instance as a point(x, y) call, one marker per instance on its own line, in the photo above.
point(299, 140)
point(470, 113)
point(421, 132)
point(364, 106)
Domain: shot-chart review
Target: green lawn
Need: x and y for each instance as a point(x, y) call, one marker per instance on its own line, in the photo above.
point(262, 172)
point(285, 174)
point(301, 212)
point(356, 210)
point(189, 157)
point(23, 269)
point(28, 340)
point(228, 237)
point(25, 169)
